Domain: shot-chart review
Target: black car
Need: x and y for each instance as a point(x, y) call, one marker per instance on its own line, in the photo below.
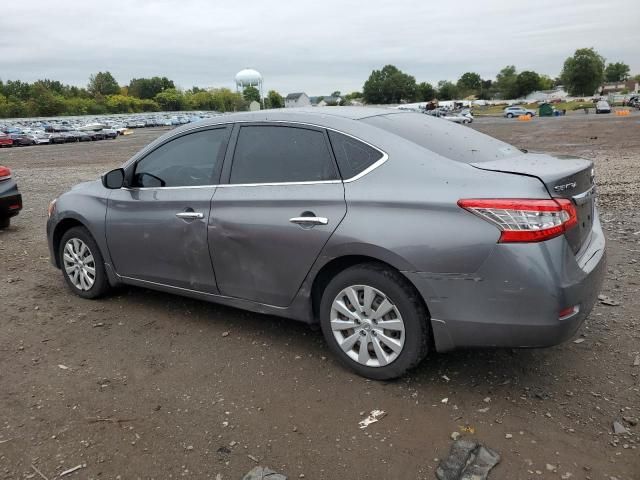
point(20, 140)
point(97, 135)
point(10, 198)
point(57, 138)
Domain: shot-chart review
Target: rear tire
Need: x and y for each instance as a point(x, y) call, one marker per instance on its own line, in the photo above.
point(5, 223)
point(509, 115)
point(82, 264)
point(380, 345)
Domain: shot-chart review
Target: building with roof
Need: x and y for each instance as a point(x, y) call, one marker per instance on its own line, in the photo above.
point(299, 99)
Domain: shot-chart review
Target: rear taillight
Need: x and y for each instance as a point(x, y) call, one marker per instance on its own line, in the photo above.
point(5, 173)
point(523, 220)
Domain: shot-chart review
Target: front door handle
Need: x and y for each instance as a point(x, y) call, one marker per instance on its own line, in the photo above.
point(309, 220)
point(189, 215)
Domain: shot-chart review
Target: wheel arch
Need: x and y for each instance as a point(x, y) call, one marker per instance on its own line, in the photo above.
point(338, 264)
point(61, 227)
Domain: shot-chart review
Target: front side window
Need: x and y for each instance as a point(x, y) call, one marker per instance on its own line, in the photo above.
point(278, 154)
point(187, 161)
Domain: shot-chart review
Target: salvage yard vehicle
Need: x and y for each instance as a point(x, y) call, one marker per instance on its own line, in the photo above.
point(516, 111)
point(603, 106)
point(5, 140)
point(10, 197)
point(395, 231)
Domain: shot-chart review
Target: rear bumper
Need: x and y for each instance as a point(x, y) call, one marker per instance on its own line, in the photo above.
point(515, 298)
point(10, 204)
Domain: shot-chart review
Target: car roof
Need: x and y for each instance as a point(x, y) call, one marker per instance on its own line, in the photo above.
point(322, 116)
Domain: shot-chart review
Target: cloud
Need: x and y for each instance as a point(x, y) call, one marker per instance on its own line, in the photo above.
point(316, 47)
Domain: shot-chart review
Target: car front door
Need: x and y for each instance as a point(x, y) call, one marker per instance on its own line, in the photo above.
point(283, 200)
point(157, 227)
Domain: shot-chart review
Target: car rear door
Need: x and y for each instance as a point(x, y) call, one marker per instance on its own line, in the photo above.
point(282, 201)
point(157, 228)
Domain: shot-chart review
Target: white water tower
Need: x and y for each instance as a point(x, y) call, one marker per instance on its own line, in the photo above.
point(249, 78)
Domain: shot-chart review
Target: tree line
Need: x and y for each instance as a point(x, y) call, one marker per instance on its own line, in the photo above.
point(103, 94)
point(582, 75)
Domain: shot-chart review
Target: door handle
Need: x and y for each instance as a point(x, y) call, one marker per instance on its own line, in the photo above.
point(189, 215)
point(309, 220)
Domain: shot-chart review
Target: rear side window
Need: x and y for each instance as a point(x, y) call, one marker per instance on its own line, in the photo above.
point(353, 156)
point(186, 161)
point(277, 154)
point(455, 142)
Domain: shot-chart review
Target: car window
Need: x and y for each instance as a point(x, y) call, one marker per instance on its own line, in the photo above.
point(353, 156)
point(189, 160)
point(277, 154)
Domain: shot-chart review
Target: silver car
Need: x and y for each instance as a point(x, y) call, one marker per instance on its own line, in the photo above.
point(396, 231)
point(516, 111)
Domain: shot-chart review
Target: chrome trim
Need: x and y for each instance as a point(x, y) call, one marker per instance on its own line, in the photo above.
point(277, 184)
point(309, 220)
point(190, 215)
point(133, 189)
point(584, 197)
point(366, 171)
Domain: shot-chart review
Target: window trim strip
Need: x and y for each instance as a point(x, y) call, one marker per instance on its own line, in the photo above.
point(366, 171)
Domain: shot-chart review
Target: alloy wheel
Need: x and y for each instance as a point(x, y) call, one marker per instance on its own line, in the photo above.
point(367, 326)
point(79, 264)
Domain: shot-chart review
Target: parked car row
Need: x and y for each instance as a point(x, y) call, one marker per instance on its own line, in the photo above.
point(43, 138)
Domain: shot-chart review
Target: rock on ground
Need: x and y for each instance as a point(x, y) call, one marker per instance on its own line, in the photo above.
point(260, 473)
point(467, 460)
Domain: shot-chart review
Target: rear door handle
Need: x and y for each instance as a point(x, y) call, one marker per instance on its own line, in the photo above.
point(309, 220)
point(189, 215)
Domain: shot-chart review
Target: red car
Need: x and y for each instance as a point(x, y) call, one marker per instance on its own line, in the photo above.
point(5, 140)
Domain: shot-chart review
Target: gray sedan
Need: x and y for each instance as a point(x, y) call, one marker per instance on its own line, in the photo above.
point(396, 231)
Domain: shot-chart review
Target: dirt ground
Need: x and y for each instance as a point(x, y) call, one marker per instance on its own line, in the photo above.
point(148, 385)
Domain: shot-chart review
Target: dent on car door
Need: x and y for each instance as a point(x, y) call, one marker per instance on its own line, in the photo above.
point(283, 201)
point(157, 229)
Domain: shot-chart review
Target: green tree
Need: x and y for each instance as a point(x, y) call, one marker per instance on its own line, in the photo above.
point(469, 84)
point(616, 72)
point(389, 85)
point(102, 84)
point(425, 92)
point(583, 73)
point(336, 93)
point(546, 82)
point(274, 99)
point(171, 100)
point(45, 102)
point(447, 90)
point(251, 94)
point(527, 82)
point(505, 85)
point(149, 87)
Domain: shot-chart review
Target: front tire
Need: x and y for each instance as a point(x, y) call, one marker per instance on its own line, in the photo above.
point(82, 264)
point(374, 321)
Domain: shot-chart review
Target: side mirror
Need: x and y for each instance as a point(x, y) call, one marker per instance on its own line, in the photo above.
point(113, 179)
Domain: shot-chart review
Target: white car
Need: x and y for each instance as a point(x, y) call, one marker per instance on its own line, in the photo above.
point(603, 107)
point(516, 111)
point(463, 117)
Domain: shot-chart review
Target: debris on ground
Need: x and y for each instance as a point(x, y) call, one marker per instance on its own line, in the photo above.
point(260, 473)
point(467, 460)
point(619, 429)
point(373, 417)
point(605, 300)
point(73, 469)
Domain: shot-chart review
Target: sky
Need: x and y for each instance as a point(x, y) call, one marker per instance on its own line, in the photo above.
point(312, 46)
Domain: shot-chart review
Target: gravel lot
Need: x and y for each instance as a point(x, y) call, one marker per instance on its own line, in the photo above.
point(148, 385)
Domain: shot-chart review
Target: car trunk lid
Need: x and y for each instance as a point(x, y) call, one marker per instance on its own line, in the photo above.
point(564, 177)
